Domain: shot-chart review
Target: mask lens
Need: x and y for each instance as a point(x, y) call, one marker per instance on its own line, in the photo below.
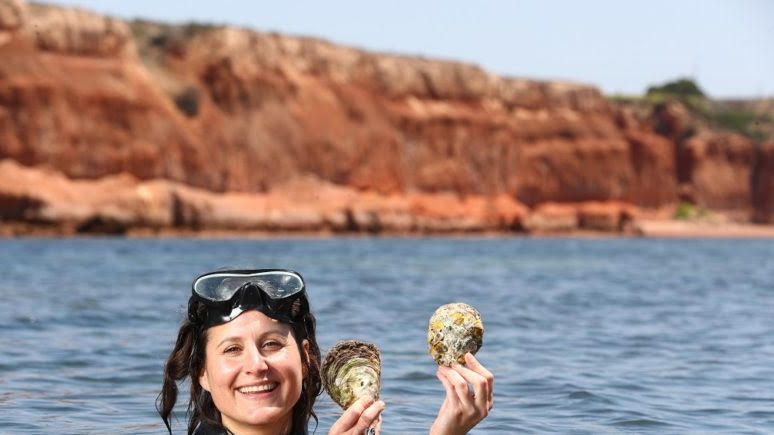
point(222, 286)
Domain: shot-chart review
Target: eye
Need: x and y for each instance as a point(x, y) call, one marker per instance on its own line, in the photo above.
point(231, 349)
point(272, 345)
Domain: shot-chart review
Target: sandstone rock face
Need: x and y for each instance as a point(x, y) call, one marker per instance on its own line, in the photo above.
point(12, 14)
point(397, 124)
point(606, 216)
point(120, 203)
point(78, 32)
point(763, 185)
point(719, 168)
point(714, 169)
point(236, 110)
point(90, 116)
point(611, 216)
point(552, 217)
point(401, 143)
point(674, 120)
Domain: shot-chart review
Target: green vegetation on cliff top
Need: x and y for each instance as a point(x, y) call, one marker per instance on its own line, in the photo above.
point(751, 118)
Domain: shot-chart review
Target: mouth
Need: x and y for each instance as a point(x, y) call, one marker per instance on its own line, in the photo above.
point(258, 389)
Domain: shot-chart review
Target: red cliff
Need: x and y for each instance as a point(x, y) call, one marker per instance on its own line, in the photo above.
point(220, 109)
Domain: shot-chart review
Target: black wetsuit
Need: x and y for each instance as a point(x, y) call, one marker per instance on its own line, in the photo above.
point(206, 429)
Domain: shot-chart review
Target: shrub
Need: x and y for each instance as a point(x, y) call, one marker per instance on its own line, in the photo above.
point(680, 88)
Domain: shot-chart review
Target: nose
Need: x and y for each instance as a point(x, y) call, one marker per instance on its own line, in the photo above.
point(256, 363)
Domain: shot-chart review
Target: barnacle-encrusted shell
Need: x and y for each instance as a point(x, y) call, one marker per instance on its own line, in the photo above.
point(351, 369)
point(454, 330)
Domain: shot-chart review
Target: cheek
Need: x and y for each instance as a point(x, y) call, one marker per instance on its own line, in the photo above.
point(221, 374)
point(287, 364)
point(294, 368)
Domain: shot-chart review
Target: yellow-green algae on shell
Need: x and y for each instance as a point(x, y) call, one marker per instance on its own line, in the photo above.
point(454, 330)
point(351, 369)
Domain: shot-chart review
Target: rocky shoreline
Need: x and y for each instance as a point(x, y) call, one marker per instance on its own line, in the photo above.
point(44, 200)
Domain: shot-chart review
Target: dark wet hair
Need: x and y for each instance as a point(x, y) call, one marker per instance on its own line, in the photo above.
point(187, 360)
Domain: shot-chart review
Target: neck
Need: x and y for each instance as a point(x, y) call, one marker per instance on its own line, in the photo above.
point(277, 428)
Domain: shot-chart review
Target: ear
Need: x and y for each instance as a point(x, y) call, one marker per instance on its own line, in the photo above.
point(305, 345)
point(204, 380)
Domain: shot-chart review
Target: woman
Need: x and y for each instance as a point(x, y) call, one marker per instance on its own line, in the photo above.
point(250, 351)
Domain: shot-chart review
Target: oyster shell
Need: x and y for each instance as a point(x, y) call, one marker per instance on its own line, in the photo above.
point(453, 330)
point(351, 369)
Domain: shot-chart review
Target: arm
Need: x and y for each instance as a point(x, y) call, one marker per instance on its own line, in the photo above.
point(361, 415)
point(462, 410)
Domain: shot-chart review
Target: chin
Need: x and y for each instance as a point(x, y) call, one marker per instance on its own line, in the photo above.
point(266, 415)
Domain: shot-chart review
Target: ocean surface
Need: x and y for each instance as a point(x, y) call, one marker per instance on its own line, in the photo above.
point(584, 336)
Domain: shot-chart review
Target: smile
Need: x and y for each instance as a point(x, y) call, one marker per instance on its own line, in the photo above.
point(257, 388)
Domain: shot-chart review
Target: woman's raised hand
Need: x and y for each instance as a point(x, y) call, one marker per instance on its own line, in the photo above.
point(461, 409)
point(363, 414)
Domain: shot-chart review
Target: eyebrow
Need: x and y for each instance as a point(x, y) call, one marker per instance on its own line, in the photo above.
point(234, 338)
point(237, 338)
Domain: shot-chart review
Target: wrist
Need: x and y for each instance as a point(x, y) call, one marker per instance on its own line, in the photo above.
point(440, 429)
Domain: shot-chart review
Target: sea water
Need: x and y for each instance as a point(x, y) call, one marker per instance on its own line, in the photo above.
point(582, 335)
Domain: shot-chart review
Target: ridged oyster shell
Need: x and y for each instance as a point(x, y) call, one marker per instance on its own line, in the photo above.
point(351, 369)
point(454, 329)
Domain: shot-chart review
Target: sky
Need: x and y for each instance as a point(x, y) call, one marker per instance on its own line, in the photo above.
point(622, 47)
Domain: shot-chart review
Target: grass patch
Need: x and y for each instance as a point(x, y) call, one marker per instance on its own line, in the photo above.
point(625, 99)
point(743, 121)
point(687, 211)
point(695, 103)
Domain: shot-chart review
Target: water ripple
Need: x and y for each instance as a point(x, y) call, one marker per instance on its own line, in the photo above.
point(583, 336)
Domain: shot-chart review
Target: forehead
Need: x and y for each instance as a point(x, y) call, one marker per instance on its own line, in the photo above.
point(249, 324)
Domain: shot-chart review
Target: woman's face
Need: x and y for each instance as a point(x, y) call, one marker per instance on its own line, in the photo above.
point(253, 371)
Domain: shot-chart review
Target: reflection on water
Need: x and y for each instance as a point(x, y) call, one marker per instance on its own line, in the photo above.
point(583, 336)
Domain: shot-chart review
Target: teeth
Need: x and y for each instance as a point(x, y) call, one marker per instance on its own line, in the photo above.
point(258, 388)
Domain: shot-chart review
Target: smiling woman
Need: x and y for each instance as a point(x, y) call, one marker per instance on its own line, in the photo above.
point(249, 349)
point(253, 371)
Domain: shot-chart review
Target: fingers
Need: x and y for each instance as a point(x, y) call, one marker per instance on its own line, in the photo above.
point(369, 417)
point(351, 415)
point(481, 381)
point(479, 384)
point(476, 366)
point(451, 395)
point(459, 385)
point(362, 414)
point(378, 425)
point(461, 410)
